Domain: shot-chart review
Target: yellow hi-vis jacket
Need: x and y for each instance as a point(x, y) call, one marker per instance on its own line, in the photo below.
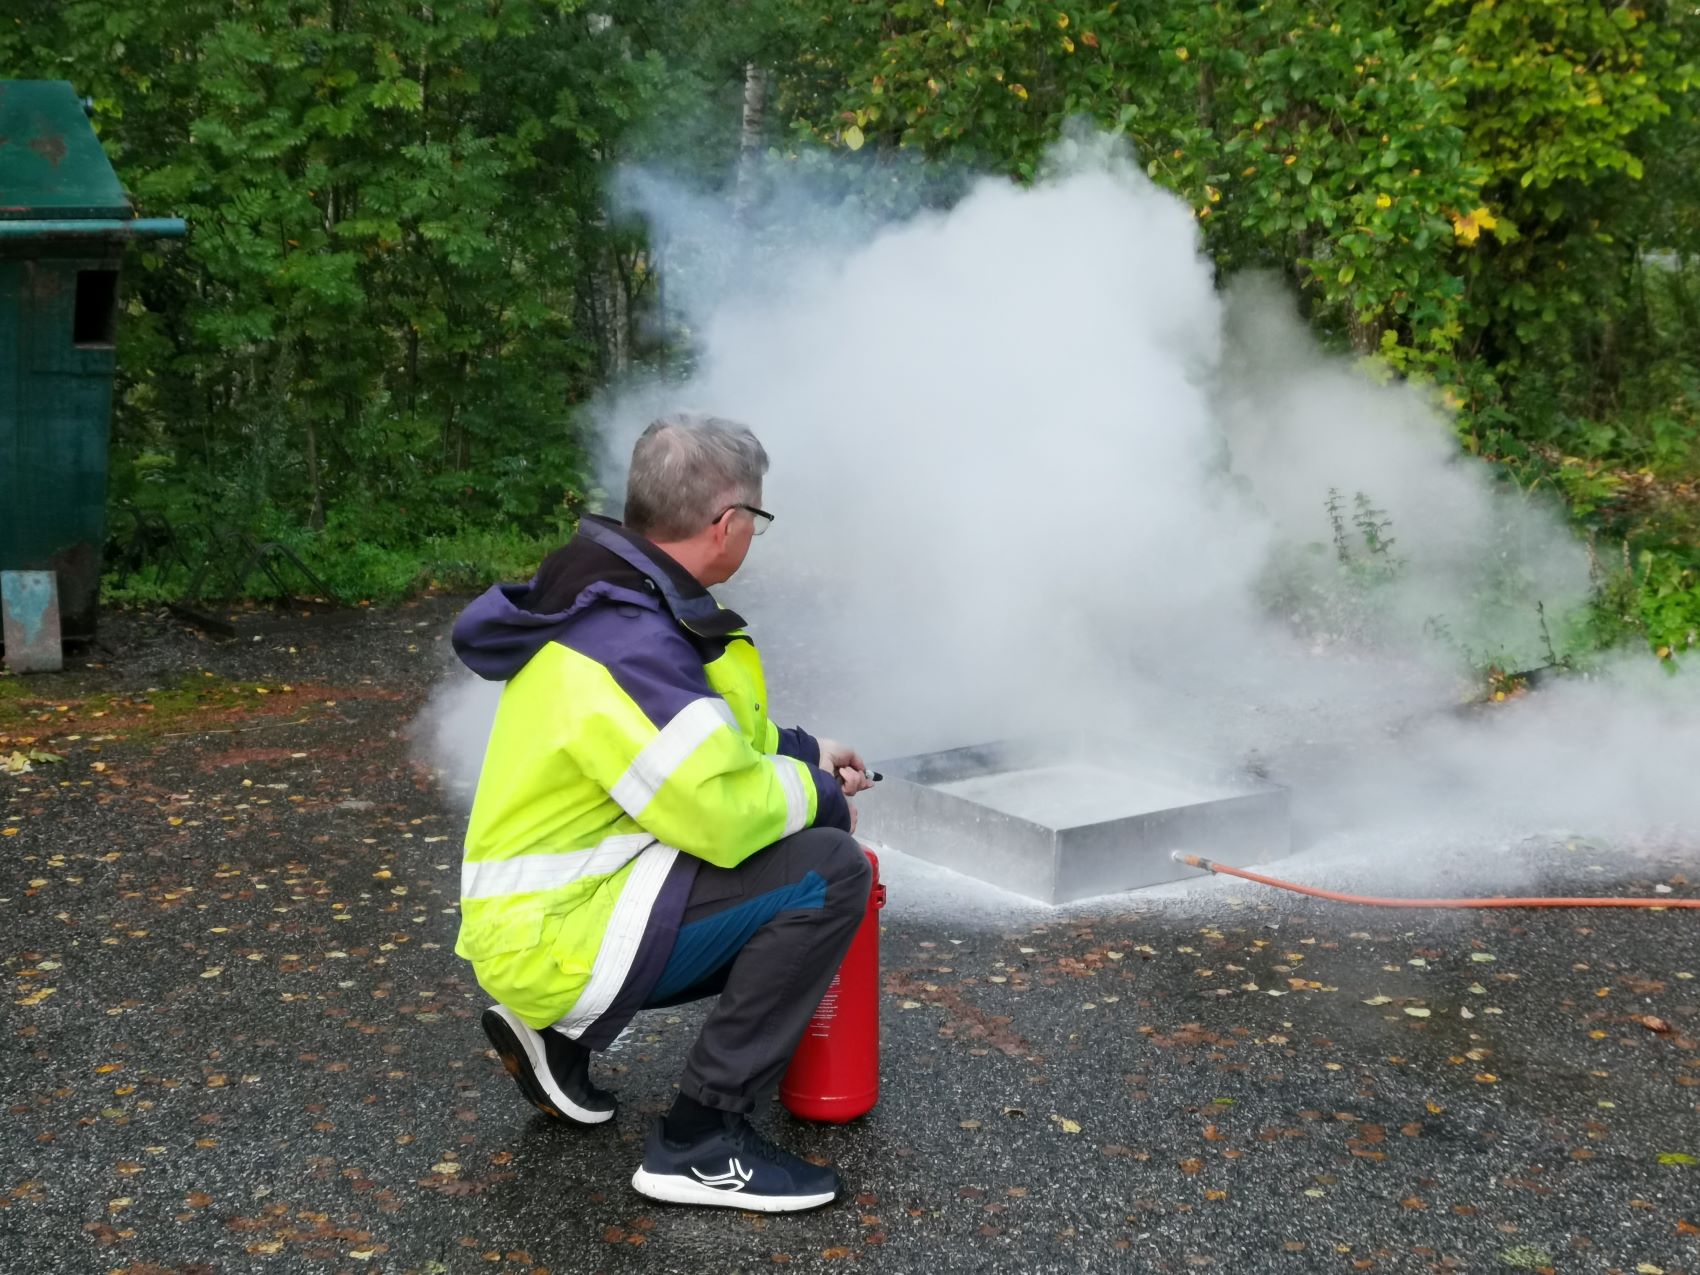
point(632, 741)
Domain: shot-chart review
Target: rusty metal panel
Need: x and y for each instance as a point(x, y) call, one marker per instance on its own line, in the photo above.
point(55, 410)
point(51, 163)
point(12, 479)
point(63, 413)
point(29, 621)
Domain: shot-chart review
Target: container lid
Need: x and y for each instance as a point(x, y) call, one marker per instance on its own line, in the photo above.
point(51, 163)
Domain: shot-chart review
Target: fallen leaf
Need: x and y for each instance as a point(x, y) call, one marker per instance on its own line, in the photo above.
point(1068, 1126)
point(1526, 1257)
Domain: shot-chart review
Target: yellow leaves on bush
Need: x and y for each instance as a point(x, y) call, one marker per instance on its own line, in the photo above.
point(1019, 90)
point(1468, 227)
point(1384, 201)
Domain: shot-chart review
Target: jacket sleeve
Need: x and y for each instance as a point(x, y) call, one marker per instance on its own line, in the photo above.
point(668, 750)
point(793, 741)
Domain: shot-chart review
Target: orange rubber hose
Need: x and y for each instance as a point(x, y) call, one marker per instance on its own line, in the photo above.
point(1368, 900)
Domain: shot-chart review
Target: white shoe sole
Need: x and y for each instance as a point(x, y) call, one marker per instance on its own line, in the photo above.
point(672, 1189)
point(541, 1076)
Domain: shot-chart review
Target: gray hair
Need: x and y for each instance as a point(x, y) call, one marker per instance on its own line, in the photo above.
point(686, 468)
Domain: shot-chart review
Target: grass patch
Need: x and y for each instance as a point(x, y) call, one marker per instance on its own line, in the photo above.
point(30, 716)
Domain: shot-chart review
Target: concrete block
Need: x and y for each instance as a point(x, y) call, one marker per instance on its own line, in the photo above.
point(1064, 818)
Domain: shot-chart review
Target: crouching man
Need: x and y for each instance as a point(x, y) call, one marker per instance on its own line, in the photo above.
point(644, 835)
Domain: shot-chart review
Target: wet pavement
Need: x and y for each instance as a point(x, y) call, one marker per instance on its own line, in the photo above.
point(237, 1037)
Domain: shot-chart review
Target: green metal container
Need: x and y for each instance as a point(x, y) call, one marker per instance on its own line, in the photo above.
point(64, 220)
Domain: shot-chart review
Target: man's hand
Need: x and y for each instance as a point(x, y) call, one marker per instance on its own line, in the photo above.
point(846, 765)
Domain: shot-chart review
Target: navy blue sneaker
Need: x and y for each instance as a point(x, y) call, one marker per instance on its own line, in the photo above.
point(552, 1071)
point(733, 1167)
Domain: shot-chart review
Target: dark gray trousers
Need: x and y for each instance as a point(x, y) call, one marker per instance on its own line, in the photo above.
point(766, 937)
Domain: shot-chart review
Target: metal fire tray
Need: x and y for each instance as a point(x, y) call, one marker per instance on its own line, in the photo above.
point(1063, 818)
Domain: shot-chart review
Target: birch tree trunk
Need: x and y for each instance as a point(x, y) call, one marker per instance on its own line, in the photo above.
point(749, 141)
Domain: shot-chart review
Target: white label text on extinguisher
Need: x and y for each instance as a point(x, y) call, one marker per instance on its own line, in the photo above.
point(821, 1023)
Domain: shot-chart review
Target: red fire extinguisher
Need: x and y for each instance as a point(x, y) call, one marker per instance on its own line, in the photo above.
point(835, 1074)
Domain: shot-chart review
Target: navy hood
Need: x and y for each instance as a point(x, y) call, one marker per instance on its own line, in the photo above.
point(604, 563)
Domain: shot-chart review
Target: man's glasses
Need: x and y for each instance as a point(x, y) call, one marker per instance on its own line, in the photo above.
point(760, 517)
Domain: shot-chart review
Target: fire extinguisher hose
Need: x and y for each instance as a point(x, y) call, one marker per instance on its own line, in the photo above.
point(1375, 901)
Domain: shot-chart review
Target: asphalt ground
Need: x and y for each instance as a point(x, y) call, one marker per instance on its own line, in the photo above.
point(237, 1038)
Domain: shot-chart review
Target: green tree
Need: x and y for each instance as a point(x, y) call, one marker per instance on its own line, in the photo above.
point(400, 279)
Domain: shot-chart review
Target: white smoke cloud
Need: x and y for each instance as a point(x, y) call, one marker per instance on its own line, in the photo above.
point(1034, 470)
point(449, 735)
